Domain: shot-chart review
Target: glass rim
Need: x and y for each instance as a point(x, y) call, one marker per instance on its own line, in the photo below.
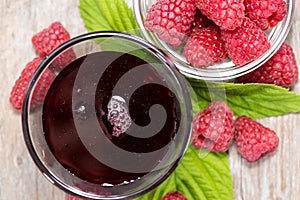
point(163, 57)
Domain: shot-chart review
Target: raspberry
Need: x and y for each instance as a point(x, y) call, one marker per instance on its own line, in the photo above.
point(246, 43)
point(171, 20)
point(280, 70)
point(174, 196)
point(18, 90)
point(201, 21)
point(279, 15)
point(118, 115)
point(42, 88)
point(227, 14)
point(265, 13)
point(50, 38)
point(213, 128)
point(70, 197)
point(64, 59)
point(205, 47)
point(254, 140)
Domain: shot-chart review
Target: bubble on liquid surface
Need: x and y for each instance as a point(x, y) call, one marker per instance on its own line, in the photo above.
point(118, 115)
point(81, 111)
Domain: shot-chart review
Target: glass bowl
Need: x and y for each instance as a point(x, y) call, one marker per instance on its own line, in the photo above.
point(224, 70)
point(68, 130)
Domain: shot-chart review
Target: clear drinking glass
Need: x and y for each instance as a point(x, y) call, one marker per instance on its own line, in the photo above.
point(65, 130)
point(221, 71)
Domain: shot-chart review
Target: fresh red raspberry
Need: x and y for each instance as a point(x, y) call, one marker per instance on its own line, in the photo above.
point(265, 13)
point(64, 59)
point(50, 38)
point(171, 20)
point(70, 197)
point(253, 140)
point(280, 70)
point(205, 48)
point(19, 88)
point(246, 43)
point(174, 196)
point(42, 88)
point(279, 15)
point(118, 115)
point(200, 22)
point(227, 14)
point(213, 128)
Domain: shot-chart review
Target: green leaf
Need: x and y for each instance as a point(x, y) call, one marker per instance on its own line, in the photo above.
point(200, 175)
point(253, 100)
point(105, 15)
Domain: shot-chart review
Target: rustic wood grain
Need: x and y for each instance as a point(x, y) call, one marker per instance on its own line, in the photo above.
point(275, 177)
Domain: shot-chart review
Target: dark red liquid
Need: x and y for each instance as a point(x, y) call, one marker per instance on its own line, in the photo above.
point(75, 117)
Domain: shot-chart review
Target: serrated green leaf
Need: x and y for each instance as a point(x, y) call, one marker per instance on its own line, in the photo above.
point(253, 100)
point(105, 15)
point(198, 177)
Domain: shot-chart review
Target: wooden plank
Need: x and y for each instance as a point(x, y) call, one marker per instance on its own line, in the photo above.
point(275, 177)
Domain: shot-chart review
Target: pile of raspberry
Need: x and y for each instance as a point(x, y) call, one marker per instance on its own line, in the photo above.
point(211, 31)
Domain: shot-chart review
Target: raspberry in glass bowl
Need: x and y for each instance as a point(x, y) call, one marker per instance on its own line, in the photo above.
point(218, 68)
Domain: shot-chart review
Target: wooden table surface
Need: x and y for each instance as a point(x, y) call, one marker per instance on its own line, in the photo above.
point(275, 177)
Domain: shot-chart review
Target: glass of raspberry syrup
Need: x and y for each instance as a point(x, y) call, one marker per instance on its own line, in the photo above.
point(115, 121)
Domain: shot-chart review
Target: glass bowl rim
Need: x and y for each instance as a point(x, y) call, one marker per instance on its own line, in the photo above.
point(218, 74)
